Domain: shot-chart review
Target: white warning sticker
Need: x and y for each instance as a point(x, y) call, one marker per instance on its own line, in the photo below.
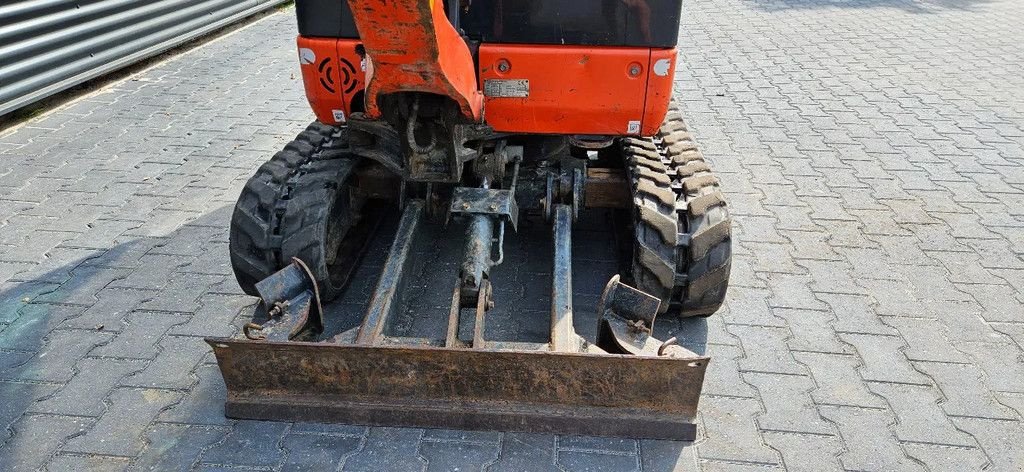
point(306, 56)
point(633, 127)
point(339, 115)
point(661, 67)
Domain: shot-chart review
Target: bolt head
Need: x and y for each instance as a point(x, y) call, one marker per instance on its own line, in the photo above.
point(504, 66)
point(634, 70)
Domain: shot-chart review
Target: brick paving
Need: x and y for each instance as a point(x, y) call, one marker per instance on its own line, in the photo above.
point(873, 152)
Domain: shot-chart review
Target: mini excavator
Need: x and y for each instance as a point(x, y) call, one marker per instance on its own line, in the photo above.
point(481, 114)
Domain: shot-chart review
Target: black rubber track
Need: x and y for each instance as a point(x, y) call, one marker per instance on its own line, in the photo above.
point(682, 232)
point(282, 210)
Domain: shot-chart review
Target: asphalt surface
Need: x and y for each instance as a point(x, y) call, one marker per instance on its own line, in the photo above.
point(873, 157)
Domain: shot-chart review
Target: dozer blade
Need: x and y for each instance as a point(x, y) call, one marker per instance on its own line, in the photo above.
point(627, 384)
point(541, 391)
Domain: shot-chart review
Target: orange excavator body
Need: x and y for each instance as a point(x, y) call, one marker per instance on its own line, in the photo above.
point(411, 46)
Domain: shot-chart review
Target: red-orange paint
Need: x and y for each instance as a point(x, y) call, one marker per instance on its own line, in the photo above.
point(318, 61)
point(659, 89)
point(572, 89)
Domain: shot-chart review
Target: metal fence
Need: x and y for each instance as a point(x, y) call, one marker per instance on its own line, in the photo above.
point(49, 45)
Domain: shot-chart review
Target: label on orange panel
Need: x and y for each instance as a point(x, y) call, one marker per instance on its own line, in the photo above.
point(507, 88)
point(662, 67)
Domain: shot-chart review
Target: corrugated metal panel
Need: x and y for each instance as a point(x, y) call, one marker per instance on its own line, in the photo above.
point(49, 45)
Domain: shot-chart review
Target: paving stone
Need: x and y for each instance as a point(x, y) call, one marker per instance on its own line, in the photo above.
point(35, 247)
point(937, 238)
point(930, 283)
point(82, 287)
point(965, 390)
point(788, 406)
point(388, 449)
point(750, 306)
point(938, 457)
point(316, 451)
point(712, 465)
point(58, 265)
point(1012, 400)
point(837, 380)
point(152, 274)
point(524, 451)
point(119, 431)
point(101, 234)
point(999, 439)
point(793, 291)
point(765, 350)
point(578, 460)
point(870, 445)
point(172, 367)
point(139, 337)
point(668, 456)
point(126, 255)
point(181, 293)
point(927, 340)
point(775, 258)
point(621, 446)
point(33, 322)
point(996, 253)
point(963, 267)
point(811, 331)
point(204, 404)
point(161, 222)
point(707, 331)
point(964, 319)
point(830, 277)
point(723, 377)
point(55, 361)
point(731, 421)
point(87, 391)
point(35, 439)
point(331, 428)
point(15, 397)
point(109, 310)
point(854, 314)
point(884, 360)
point(71, 463)
point(250, 443)
point(462, 456)
point(1003, 364)
point(15, 295)
point(1000, 302)
point(919, 418)
point(176, 447)
point(806, 452)
point(812, 244)
point(215, 315)
point(188, 242)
